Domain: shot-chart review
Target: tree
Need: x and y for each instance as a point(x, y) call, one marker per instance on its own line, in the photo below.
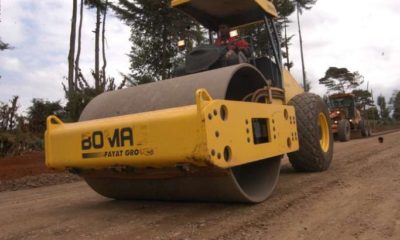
point(15, 136)
point(300, 6)
point(391, 102)
point(285, 8)
point(71, 54)
point(286, 44)
point(103, 42)
point(83, 94)
point(363, 98)
point(258, 32)
point(396, 105)
point(341, 79)
point(155, 30)
point(4, 46)
point(308, 85)
point(8, 114)
point(371, 113)
point(97, 49)
point(38, 113)
point(383, 107)
point(78, 53)
point(101, 8)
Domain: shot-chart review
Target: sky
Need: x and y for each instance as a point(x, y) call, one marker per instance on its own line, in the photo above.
point(39, 31)
point(358, 34)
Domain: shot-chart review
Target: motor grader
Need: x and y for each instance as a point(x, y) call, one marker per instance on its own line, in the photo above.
point(218, 134)
point(346, 117)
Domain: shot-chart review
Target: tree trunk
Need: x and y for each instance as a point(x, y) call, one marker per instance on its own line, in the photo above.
point(103, 44)
point(97, 50)
point(287, 45)
point(12, 112)
point(71, 54)
point(301, 49)
point(164, 54)
point(78, 54)
point(342, 87)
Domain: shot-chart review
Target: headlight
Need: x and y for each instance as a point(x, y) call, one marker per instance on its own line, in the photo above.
point(181, 43)
point(233, 33)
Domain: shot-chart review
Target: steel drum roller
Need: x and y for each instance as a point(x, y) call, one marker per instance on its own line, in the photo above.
point(252, 182)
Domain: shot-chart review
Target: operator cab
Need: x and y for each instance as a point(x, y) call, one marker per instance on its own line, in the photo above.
point(238, 13)
point(343, 102)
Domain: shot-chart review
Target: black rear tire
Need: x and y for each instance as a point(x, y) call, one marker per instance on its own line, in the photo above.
point(312, 156)
point(369, 131)
point(365, 128)
point(344, 130)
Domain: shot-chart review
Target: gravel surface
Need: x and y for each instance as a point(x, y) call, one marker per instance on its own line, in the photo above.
point(41, 180)
point(357, 198)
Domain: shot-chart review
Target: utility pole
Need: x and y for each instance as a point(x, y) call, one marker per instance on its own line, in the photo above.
point(301, 49)
point(286, 44)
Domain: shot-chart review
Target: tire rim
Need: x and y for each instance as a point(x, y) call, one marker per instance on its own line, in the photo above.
point(324, 132)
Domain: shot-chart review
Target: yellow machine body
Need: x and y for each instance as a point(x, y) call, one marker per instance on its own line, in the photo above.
point(170, 140)
point(213, 132)
point(292, 87)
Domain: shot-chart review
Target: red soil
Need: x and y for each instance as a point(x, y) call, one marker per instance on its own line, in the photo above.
point(27, 164)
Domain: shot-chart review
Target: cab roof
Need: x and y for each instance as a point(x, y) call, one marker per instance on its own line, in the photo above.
point(342, 95)
point(235, 13)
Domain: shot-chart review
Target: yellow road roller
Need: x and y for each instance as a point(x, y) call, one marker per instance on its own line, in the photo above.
point(215, 132)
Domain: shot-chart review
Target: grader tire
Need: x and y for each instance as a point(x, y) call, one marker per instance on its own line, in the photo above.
point(315, 134)
point(365, 128)
point(369, 131)
point(344, 130)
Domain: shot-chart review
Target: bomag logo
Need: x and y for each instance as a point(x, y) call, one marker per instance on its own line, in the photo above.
point(104, 143)
point(121, 138)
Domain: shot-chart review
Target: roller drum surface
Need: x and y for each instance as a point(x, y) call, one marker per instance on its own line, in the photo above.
point(252, 182)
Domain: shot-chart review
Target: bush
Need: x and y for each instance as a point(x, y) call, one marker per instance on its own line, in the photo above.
point(39, 111)
point(17, 142)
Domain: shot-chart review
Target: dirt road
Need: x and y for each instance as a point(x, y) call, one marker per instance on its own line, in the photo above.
point(358, 198)
point(29, 171)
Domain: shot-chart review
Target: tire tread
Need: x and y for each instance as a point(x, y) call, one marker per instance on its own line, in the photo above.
point(310, 156)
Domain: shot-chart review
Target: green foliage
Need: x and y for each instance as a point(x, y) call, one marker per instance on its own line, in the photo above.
point(38, 113)
point(15, 136)
point(308, 85)
point(284, 7)
point(285, 45)
point(4, 46)
point(83, 94)
point(95, 4)
point(259, 33)
point(363, 98)
point(304, 4)
point(8, 114)
point(155, 30)
point(396, 105)
point(341, 79)
point(383, 107)
point(371, 113)
point(17, 141)
point(77, 101)
point(260, 39)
